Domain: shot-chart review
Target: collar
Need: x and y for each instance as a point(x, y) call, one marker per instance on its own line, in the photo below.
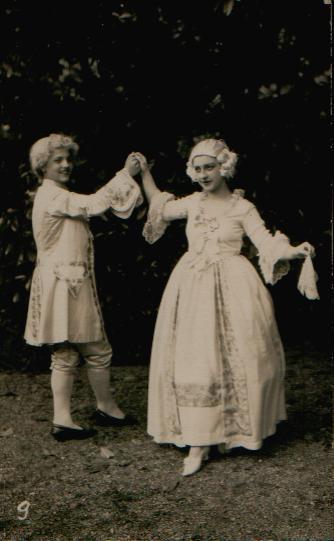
point(48, 183)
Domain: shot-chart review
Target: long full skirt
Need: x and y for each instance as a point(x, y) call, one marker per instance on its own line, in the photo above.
point(217, 364)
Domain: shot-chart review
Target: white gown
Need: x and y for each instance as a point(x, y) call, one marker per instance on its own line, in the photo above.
point(217, 364)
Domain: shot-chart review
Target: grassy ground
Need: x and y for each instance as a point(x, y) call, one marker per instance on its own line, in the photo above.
point(76, 493)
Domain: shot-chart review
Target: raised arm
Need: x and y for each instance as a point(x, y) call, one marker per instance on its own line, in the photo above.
point(149, 185)
point(121, 194)
point(163, 207)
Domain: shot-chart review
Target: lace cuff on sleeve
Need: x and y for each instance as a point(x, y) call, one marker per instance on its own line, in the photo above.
point(272, 266)
point(155, 225)
point(122, 193)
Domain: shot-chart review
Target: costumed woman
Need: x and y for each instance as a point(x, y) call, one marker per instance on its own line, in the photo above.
point(217, 363)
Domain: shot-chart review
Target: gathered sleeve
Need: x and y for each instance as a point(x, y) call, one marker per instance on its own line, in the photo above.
point(271, 248)
point(121, 194)
point(164, 208)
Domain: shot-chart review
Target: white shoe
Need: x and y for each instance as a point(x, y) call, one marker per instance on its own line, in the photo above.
point(192, 464)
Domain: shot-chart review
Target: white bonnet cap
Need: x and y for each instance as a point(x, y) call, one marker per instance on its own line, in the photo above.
point(208, 147)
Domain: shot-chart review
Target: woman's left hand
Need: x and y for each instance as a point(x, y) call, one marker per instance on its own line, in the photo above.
point(303, 250)
point(142, 161)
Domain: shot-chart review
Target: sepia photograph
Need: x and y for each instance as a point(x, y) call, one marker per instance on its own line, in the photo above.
point(166, 363)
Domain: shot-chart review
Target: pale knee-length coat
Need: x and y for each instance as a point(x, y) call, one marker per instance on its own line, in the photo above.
point(63, 304)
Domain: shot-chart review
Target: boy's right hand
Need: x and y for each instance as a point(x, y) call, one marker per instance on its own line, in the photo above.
point(132, 164)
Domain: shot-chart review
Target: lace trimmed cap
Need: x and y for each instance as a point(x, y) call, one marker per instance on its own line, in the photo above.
point(217, 148)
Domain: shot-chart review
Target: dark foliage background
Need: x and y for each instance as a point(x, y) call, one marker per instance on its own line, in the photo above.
point(152, 76)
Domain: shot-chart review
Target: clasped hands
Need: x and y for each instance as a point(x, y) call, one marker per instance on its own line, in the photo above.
point(136, 163)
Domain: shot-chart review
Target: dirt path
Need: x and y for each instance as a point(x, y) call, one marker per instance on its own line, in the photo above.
point(75, 494)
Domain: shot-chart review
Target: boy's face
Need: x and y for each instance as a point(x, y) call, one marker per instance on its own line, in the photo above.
point(59, 166)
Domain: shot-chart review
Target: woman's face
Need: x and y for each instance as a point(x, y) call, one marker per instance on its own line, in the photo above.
point(207, 173)
point(59, 166)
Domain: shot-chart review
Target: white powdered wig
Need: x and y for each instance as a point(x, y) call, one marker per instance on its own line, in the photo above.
point(216, 148)
point(41, 151)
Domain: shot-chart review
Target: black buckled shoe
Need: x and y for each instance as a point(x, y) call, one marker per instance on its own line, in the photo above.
point(64, 433)
point(104, 419)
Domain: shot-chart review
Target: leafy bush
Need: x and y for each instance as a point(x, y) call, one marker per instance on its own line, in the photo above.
point(93, 74)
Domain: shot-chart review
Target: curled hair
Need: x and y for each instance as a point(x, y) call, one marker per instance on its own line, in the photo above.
point(42, 149)
point(216, 148)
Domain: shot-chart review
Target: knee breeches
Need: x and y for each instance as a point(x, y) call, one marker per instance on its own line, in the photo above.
point(66, 356)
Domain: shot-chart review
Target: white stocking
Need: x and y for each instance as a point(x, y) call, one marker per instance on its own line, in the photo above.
point(62, 385)
point(99, 378)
